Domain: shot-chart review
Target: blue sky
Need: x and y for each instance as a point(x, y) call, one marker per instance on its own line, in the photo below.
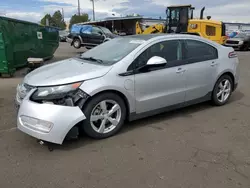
point(33, 10)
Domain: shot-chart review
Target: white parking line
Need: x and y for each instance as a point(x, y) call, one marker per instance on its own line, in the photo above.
point(8, 130)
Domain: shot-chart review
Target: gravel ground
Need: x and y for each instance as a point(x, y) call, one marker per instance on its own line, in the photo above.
point(198, 147)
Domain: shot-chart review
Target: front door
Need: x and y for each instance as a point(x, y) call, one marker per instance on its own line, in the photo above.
point(96, 37)
point(85, 34)
point(202, 62)
point(160, 87)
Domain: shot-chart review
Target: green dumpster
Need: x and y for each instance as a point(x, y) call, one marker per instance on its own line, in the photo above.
point(20, 40)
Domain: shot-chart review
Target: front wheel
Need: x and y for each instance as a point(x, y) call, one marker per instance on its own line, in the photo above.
point(105, 115)
point(77, 43)
point(246, 48)
point(222, 90)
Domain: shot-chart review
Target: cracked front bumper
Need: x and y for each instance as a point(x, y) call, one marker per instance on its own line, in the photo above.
point(47, 122)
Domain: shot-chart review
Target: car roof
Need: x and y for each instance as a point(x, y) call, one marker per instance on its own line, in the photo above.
point(80, 25)
point(162, 36)
point(144, 36)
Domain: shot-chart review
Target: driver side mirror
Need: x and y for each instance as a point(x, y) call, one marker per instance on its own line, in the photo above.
point(99, 32)
point(156, 60)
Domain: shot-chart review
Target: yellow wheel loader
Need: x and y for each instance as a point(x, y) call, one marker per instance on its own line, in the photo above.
point(149, 29)
point(180, 20)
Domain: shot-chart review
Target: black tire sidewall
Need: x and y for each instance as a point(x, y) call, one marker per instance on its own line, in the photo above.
point(86, 126)
point(246, 48)
point(214, 94)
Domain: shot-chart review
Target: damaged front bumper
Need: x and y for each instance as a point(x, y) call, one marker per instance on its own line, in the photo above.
point(47, 121)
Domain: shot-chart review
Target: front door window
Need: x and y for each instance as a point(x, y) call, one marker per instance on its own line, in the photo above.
point(169, 50)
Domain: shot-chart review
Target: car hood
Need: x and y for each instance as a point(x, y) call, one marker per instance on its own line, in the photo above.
point(63, 35)
point(64, 72)
point(111, 35)
point(236, 39)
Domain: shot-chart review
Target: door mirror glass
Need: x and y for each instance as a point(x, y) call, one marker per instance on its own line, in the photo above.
point(156, 60)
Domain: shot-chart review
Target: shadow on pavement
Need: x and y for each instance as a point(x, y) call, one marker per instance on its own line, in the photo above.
point(130, 126)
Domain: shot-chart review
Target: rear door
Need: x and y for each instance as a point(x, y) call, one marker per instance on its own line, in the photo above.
point(97, 36)
point(201, 68)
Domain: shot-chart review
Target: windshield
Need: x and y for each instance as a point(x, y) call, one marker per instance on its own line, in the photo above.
point(240, 35)
point(112, 51)
point(106, 30)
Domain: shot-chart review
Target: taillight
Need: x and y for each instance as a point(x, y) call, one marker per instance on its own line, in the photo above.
point(232, 54)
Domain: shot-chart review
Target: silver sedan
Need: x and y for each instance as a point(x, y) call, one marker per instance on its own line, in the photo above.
point(124, 79)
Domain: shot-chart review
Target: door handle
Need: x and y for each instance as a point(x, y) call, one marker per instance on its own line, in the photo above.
point(180, 70)
point(213, 64)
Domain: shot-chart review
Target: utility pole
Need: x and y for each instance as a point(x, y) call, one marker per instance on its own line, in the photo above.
point(93, 3)
point(62, 14)
point(79, 11)
point(47, 22)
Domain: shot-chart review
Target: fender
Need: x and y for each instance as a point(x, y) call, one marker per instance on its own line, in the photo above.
point(77, 37)
point(80, 39)
point(228, 71)
point(224, 72)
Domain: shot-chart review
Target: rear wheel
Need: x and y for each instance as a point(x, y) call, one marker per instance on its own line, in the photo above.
point(222, 90)
point(77, 43)
point(105, 115)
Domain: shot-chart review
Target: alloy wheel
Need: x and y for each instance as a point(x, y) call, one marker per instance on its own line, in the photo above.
point(224, 90)
point(105, 116)
point(76, 43)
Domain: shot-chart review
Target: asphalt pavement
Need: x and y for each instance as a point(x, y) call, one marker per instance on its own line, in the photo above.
point(201, 146)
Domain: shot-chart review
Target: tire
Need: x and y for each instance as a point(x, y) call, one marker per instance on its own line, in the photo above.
point(107, 39)
point(77, 43)
point(246, 47)
point(93, 109)
point(221, 90)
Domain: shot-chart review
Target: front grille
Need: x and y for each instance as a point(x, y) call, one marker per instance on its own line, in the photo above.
point(232, 42)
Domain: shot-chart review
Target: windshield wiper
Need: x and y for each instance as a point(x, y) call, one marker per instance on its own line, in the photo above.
point(92, 59)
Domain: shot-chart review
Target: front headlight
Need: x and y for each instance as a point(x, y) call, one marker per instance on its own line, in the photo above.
point(241, 42)
point(55, 92)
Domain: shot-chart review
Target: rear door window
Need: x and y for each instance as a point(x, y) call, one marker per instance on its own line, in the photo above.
point(197, 51)
point(170, 50)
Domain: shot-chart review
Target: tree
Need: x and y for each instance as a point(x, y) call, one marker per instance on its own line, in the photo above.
point(47, 16)
point(78, 19)
point(58, 20)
